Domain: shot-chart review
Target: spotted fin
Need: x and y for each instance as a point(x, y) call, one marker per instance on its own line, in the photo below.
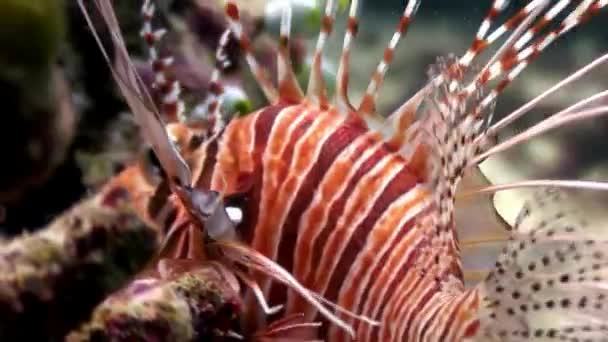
point(551, 280)
point(446, 133)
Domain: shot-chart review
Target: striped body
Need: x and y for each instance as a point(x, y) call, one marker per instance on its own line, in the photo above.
point(333, 204)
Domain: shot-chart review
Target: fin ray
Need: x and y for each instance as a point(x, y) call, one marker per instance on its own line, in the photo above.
point(261, 76)
point(289, 89)
point(136, 95)
point(316, 89)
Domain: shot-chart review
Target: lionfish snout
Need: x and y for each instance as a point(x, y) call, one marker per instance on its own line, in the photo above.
point(208, 206)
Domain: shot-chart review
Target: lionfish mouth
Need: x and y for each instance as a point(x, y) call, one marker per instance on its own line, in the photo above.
point(374, 250)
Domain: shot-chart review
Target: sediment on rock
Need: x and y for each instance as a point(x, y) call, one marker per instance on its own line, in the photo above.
point(53, 278)
point(199, 304)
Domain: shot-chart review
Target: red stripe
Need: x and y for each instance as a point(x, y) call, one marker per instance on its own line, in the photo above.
point(400, 184)
point(425, 327)
point(337, 208)
point(352, 25)
point(281, 172)
point(404, 230)
point(327, 24)
point(252, 183)
point(450, 322)
point(392, 287)
point(332, 147)
point(307, 242)
point(429, 290)
point(393, 307)
point(232, 11)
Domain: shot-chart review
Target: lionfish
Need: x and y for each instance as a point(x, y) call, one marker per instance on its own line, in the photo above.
point(338, 215)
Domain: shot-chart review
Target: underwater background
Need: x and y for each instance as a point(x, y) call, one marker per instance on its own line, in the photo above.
point(66, 131)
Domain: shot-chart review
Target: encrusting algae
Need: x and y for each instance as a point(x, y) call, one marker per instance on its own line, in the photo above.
point(66, 267)
point(315, 218)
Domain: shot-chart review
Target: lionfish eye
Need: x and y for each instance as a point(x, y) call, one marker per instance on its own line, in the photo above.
point(235, 214)
point(235, 207)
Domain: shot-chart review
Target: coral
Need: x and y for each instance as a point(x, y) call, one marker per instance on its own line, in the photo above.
point(199, 304)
